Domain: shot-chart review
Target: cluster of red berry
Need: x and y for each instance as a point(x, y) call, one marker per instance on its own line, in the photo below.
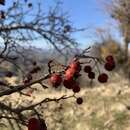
point(36, 124)
point(71, 74)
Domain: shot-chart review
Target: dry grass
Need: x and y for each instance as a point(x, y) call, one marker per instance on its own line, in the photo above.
point(104, 107)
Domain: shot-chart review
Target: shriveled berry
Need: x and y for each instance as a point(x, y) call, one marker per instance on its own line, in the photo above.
point(69, 83)
point(87, 69)
point(102, 78)
point(109, 58)
point(79, 100)
point(91, 75)
point(109, 66)
point(76, 88)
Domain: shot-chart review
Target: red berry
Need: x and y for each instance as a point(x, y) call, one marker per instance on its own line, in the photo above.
point(69, 73)
point(76, 66)
point(79, 100)
point(69, 83)
point(33, 124)
point(76, 88)
point(91, 75)
point(109, 58)
point(102, 78)
point(55, 79)
point(109, 66)
point(87, 69)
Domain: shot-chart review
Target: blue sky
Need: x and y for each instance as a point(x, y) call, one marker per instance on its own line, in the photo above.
point(90, 14)
point(84, 13)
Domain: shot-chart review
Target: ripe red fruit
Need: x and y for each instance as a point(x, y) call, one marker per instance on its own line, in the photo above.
point(109, 58)
point(109, 66)
point(76, 66)
point(91, 75)
point(69, 83)
point(102, 78)
point(55, 80)
point(76, 89)
point(79, 100)
point(69, 73)
point(87, 69)
point(33, 124)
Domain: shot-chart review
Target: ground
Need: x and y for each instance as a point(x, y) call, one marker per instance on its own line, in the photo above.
point(105, 107)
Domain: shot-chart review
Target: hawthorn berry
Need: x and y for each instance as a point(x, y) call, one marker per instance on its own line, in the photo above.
point(91, 75)
point(109, 66)
point(109, 58)
point(76, 66)
point(76, 89)
point(79, 100)
point(69, 83)
point(56, 79)
point(87, 69)
point(33, 124)
point(102, 78)
point(69, 73)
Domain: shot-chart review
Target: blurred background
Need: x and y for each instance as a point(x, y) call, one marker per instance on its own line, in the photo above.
point(59, 30)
